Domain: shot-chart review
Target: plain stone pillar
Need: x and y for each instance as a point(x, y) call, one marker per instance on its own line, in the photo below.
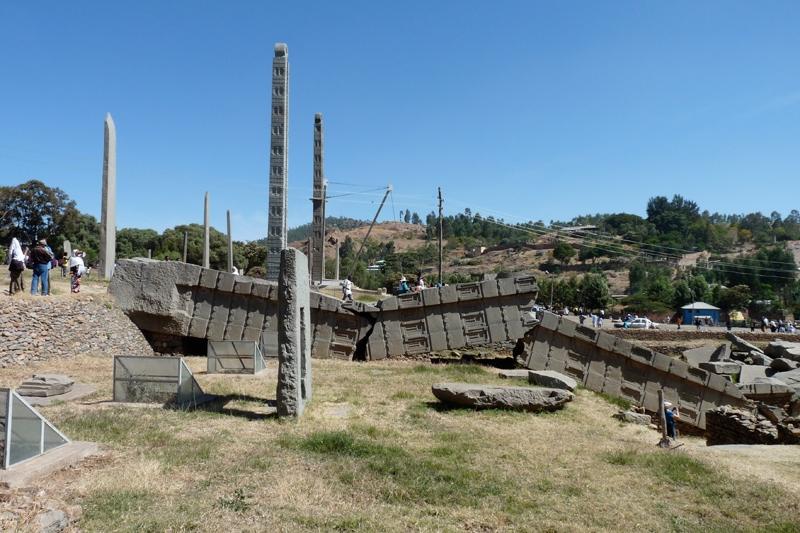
point(230, 244)
point(185, 245)
point(317, 255)
point(206, 236)
point(67, 247)
point(278, 161)
point(294, 334)
point(149, 253)
point(108, 208)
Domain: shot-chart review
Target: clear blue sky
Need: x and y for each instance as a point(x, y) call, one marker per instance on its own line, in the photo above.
point(530, 109)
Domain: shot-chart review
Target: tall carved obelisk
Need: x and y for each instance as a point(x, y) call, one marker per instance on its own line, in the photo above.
point(108, 208)
point(206, 236)
point(318, 203)
point(278, 161)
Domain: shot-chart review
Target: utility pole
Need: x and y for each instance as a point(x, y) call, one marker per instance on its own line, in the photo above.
point(441, 277)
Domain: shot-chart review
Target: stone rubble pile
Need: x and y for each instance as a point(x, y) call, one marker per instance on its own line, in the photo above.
point(32, 509)
point(764, 425)
point(756, 373)
point(46, 328)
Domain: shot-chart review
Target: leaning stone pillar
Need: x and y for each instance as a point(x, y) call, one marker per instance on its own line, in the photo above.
point(294, 334)
point(317, 254)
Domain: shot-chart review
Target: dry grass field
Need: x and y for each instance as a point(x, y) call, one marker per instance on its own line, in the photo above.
point(375, 452)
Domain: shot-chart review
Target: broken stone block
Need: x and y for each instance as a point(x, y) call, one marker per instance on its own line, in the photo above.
point(749, 373)
point(738, 344)
point(491, 396)
point(44, 385)
point(550, 378)
point(516, 373)
point(781, 364)
point(790, 378)
point(695, 356)
point(634, 418)
point(726, 368)
point(785, 349)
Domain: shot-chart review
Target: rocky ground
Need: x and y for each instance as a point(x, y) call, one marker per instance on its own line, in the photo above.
point(65, 325)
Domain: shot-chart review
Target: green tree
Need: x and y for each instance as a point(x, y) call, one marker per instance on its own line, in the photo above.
point(594, 292)
point(563, 252)
point(734, 298)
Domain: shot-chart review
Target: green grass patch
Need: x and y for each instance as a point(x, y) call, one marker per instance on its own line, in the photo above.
point(622, 403)
point(107, 507)
point(434, 475)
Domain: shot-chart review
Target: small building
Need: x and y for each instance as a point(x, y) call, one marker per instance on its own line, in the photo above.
point(705, 312)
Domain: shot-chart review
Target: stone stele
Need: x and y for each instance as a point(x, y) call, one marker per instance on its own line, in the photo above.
point(294, 334)
point(496, 397)
point(108, 206)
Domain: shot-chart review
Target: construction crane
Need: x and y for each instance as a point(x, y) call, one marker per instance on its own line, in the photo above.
point(377, 213)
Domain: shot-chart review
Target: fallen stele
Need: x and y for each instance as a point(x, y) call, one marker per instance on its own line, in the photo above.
point(477, 396)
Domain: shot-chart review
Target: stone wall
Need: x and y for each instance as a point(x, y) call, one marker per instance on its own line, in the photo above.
point(606, 363)
point(37, 329)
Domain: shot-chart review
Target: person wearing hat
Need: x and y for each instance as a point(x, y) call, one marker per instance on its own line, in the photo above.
point(670, 413)
point(404, 288)
point(41, 257)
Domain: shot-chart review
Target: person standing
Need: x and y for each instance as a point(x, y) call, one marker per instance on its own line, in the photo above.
point(76, 269)
point(16, 267)
point(40, 258)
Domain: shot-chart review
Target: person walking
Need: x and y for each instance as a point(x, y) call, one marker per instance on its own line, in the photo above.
point(347, 289)
point(16, 267)
point(40, 258)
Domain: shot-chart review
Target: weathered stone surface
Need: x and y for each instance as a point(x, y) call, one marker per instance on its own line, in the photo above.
point(722, 353)
point(738, 344)
point(108, 200)
point(46, 385)
point(52, 521)
point(80, 325)
point(624, 370)
point(631, 417)
point(790, 378)
point(519, 373)
point(278, 161)
point(781, 364)
point(552, 379)
point(750, 373)
point(491, 396)
point(318, 205)
point(294, 334)
point(695, 356)
point(167, 298)
point(729, 368)
point(785, 349)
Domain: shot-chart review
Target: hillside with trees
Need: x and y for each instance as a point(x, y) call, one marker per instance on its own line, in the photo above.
point(740, 262)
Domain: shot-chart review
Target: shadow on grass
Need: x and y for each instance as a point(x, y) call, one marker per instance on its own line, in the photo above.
point(219, 406)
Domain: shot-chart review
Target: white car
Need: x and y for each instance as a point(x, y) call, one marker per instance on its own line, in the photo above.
point(641, 323)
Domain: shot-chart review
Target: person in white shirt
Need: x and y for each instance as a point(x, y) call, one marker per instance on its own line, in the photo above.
point(76, 269)
point(347, 289)
point(16, 267)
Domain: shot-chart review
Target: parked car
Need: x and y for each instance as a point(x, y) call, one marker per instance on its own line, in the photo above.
point(641, 323)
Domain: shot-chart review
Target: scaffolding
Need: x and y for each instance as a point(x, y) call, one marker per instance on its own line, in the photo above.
point(24, 433)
